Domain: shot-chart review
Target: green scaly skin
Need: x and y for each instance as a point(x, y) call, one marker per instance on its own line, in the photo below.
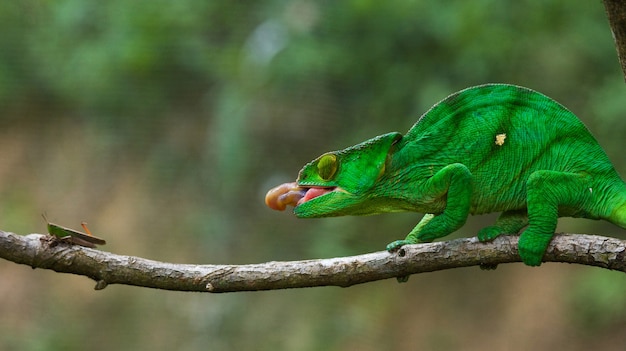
point(490, 148)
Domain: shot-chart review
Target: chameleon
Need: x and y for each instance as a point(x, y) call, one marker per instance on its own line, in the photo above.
point(489, 148)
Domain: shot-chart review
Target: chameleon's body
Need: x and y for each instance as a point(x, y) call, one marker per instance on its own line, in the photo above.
point(490, 148)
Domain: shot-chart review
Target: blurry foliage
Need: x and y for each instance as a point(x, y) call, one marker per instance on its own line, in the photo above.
point(598, 302)
point(162, 124)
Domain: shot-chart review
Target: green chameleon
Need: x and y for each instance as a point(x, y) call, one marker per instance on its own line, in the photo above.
point(489, 148)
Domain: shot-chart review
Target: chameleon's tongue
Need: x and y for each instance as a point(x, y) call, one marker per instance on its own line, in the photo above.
point(312, 193)
point(285, 194)
point(291, 194)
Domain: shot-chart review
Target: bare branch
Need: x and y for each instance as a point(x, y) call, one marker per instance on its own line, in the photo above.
point(616, 12)
point(44, 251)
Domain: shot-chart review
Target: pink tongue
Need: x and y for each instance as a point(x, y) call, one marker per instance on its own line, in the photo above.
point(312, 193)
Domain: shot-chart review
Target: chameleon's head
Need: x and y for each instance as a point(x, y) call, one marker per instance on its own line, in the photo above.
point(341, 182)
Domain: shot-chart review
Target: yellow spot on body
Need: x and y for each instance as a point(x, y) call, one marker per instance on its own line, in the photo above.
point(500, 139)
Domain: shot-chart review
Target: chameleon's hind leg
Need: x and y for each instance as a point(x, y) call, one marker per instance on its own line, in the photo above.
point(547, 191)
point(509, 222)
point(455, 183)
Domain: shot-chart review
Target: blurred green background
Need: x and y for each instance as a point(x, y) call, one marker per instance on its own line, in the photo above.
point(163, 123)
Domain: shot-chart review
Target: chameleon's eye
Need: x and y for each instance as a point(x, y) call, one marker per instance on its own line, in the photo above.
point(327, 166)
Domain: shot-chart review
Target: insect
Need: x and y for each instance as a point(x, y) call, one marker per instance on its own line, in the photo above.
point(73, 236)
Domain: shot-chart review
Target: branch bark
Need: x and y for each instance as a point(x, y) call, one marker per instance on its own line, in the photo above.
point(44, 251)
point(616, 13)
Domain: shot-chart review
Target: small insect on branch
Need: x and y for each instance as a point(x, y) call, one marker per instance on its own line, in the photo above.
point(73, 236)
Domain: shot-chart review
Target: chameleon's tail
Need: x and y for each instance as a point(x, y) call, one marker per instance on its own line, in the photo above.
point(618, 214)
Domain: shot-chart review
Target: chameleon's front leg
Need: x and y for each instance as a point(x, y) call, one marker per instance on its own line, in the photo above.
point(412, 237)
point(455, 183)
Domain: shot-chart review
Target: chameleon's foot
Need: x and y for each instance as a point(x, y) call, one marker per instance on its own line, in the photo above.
point(532, 247)
point(488, 266)
point(489, 233)
point(396, 245)
point(403, 279)
point(509, 222)
point(530, 257)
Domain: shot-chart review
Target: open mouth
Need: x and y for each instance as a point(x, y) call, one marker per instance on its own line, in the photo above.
point(313, 192)
point(291, 194)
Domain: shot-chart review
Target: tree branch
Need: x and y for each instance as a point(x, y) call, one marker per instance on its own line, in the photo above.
point(616, 12)
point(44, 251)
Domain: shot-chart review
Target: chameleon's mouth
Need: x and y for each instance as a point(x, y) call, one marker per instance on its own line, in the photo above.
point(313, 192)
point(293, 194)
